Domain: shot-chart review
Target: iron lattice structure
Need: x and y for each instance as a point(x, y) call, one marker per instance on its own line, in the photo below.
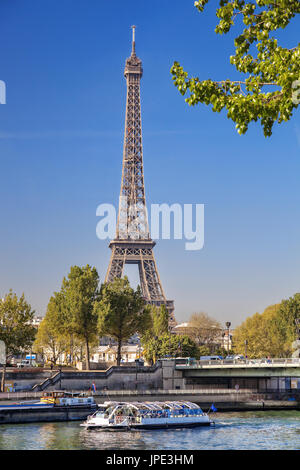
point(133, 244)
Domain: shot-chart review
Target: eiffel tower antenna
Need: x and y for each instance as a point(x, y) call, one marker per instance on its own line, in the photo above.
point(133, 39)
point(133, 244)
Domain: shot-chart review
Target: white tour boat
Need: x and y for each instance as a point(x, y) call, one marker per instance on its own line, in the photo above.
point(146, 415)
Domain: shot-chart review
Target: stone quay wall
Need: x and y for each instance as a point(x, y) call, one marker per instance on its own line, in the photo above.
point(114, 378)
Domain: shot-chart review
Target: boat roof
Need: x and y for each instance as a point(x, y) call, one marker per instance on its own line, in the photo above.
point(63, 393)
point(155, 405)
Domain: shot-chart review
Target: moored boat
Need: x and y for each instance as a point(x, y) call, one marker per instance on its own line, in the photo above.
point(62, 398)
point(55, 399)
point(53, 406)
point(147, 415)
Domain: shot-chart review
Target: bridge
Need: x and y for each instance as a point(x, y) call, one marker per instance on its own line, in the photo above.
point(257, 374)
point(244, 364)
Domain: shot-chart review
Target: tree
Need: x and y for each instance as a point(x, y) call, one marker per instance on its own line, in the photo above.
point(16, 329)
point(259, 335)
point(79, 293)
point(284, 323)
point(158, 327)
point(204, 330)
point(160, 320)
point(269, 92)
point(50, 336)
point(169, 345)
point(122, 312)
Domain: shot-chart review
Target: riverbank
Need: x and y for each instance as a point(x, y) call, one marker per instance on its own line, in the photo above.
point(223, 400)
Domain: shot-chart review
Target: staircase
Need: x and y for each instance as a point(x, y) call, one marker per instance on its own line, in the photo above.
point(49, 381)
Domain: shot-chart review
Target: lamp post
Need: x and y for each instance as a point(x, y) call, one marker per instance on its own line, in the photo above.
point(4, 353)
point(170, 341)
point(155, 349)
point(297, 322)
point(246, 344)
point(170, 333)
point(228, 324)
point(136, 374)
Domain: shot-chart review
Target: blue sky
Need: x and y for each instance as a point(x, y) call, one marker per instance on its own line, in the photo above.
point(61, 136)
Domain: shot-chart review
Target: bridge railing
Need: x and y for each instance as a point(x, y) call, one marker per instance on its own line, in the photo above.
point(265, 362)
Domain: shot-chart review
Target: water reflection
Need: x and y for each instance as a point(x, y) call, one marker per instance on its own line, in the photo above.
point(105, 440)
point(146, 439)
point(60, 436)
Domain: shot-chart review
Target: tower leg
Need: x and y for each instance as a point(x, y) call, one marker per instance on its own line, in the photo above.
point(116, 266)
point(140, 253)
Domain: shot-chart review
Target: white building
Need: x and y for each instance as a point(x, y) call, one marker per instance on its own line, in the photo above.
point(36, 321)
point(108, 353)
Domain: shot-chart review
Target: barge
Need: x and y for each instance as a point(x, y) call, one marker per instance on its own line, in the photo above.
point(53, 406)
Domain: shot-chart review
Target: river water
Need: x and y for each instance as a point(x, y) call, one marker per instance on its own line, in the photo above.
point(264, 430)
point(232, 431)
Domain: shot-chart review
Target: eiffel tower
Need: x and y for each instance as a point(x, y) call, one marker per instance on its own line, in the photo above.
point(133, 244)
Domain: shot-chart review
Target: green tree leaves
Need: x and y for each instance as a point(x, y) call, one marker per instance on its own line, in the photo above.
point(80, 290)
point(121, 312)
point(48, 337)
point(170, 345)
point(265, 94)
point(270, 333)
point(285, 324)
point(70, 315)
point(16, 318)
point(160, 321)
point(16, 329)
